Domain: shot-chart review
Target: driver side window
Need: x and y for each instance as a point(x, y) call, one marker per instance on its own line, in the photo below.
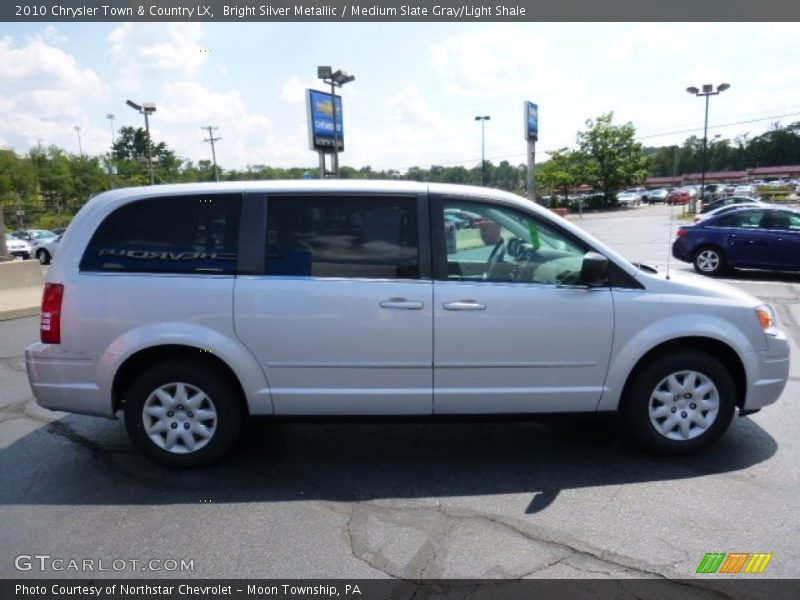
point(487, 242)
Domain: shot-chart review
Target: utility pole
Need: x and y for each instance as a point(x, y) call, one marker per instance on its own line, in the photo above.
point(483, 147)
point(212, 139)
point(80, 147)
point(110, 117)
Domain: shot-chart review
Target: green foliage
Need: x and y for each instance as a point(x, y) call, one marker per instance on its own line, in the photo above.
point(129, 155)
point(778, 146)
point(613, 158)
point(50, 221)
point(564, 171)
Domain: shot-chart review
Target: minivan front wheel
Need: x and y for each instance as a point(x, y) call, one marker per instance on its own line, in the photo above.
point(182, 414)
point(680, 403)
point(43, 256)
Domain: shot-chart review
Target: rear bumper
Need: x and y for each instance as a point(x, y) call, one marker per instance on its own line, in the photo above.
point(768, 372)
point(682, 250)
point(66, 381)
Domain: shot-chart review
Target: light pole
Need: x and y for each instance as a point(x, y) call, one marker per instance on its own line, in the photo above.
point(707, 91)
point(146, 109)
point(110, 117)
point(483, 140)
point(80, 146)
point(335, 79)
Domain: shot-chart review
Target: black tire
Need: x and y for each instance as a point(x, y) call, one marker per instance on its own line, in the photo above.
point(222, 394)
point(710, 260)
point(641, 395)
point(43, 256)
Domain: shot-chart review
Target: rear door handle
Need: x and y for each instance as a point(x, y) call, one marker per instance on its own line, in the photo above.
point(401, 304)
point(464, 305)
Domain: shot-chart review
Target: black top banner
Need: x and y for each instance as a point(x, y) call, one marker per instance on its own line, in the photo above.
point(409, 11)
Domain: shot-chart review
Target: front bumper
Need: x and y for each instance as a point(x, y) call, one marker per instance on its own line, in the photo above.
point(768, 372)
point(66, 381)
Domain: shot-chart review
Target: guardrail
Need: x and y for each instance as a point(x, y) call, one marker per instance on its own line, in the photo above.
point(21, 284)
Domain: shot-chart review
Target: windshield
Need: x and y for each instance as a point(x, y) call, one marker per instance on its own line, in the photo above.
point(41, 234)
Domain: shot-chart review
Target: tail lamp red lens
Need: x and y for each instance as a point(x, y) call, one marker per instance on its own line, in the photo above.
point(50, 323)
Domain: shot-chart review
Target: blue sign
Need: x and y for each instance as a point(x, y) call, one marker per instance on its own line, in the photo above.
point(531, 122)
point(320, 121)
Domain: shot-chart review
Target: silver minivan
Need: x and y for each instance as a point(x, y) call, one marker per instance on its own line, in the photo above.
point(191, 307)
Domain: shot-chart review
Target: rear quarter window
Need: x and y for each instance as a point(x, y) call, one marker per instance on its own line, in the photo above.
point(181, 234)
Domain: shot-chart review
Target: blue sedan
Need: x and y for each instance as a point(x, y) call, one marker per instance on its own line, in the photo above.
point(750, 238)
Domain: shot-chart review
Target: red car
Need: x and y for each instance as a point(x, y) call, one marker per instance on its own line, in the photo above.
point(680, 196)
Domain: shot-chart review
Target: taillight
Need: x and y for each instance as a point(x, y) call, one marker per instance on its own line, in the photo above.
point(681, 232)
point(50, 323)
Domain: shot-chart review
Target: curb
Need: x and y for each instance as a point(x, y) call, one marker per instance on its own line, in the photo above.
point(19, 313)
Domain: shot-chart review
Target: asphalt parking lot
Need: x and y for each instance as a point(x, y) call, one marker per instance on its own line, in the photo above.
point(552, 497)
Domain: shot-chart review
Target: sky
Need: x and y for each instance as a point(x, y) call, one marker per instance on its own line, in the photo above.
point(417, 91)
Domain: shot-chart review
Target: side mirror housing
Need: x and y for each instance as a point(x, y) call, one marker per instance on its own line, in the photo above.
point(594, 270)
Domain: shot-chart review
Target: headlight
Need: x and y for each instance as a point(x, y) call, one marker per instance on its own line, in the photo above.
point(767, 319)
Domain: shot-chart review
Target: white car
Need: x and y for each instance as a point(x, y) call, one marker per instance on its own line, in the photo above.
point(631, 197)
point(16, 247)
point(659, 195)
point(744, 190)
point(189, 308)
point(44, 249)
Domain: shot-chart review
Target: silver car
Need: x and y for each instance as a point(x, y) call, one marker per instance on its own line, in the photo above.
point(188, 308)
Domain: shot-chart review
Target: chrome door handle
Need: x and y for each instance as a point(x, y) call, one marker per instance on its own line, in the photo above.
point(401, 304)
point(464, 305)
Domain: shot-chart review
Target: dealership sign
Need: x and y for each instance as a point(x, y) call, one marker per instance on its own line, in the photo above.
point(320, 121)
point(531, 122)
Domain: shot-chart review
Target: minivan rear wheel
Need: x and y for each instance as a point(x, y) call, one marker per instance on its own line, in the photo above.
point(183, 414)
point(43, 256)
point(680, 403)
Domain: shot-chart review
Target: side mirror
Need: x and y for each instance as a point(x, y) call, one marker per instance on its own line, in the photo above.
point(514, 247)
point(594, 270)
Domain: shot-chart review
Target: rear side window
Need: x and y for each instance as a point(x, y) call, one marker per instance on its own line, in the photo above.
point(343, 236)
point(747, 220)
point(181, 234)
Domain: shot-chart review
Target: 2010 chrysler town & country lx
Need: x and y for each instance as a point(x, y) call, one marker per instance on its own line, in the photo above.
point(190, 307)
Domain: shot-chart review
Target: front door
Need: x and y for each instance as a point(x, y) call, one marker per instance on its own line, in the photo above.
point(341, 319)
point(512, 333)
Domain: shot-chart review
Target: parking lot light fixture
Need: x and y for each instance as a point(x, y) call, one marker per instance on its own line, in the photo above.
point(708, 91)
point(336, 79)
point(146, 109)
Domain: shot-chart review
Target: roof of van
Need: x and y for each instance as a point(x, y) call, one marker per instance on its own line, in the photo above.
point(310, 185)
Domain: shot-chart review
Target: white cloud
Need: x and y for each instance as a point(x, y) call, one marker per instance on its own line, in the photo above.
point(502, 60)
point(649, 39)
point(45, 94)
point(186, 106)
point(143, 51)
point(294, 89)
point(53, 35)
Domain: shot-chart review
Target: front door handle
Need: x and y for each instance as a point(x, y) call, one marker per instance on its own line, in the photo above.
point(464, 305)
point(401, 304)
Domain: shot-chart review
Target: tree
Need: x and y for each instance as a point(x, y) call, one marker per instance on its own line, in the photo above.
point(129, 154)
point(613, 158)
point(563, 171)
